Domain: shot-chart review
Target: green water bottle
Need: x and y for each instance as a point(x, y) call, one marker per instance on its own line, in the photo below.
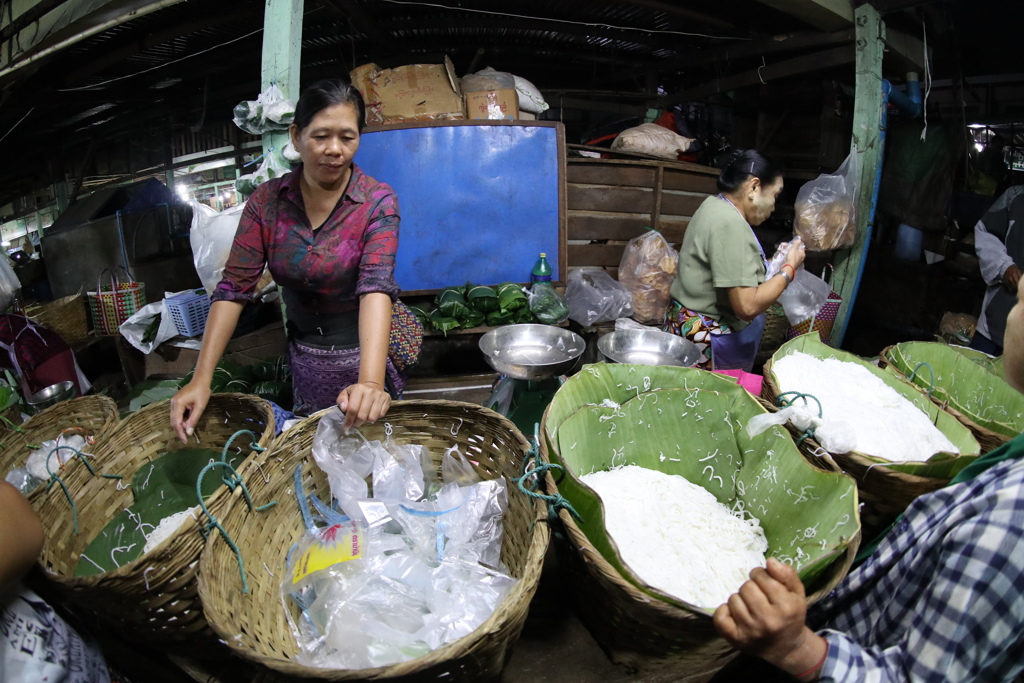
point(541, 270)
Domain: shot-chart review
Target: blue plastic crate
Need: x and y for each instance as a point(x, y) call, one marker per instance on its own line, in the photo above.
point(189, 312)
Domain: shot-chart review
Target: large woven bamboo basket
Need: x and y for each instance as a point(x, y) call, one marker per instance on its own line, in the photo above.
point(255, 626)
point(884, 492)
point(93, 416)
point(65, 316)
point(987, 439)
point(155, 598)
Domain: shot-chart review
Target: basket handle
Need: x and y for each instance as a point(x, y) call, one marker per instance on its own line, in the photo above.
point(113, 278)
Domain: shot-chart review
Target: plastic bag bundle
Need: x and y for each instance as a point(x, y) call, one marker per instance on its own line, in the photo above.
point(804, 297)
point(647, 270)
point(9, 284)
point(530, 99)
point(394, 572)
point(53, 454)
point(272, 167)
point(652, 139)
point(270, 111)
point(547, 304)
point(211, 237)
point(835, 436)
point(593, 296)
point(826, 209)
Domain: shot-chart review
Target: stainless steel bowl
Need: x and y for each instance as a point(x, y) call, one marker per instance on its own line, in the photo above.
point(648, 347)
point(532, 351)
point(55, 393)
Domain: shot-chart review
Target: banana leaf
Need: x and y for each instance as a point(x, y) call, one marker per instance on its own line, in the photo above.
point(482, 298)
point(511, 297)
point(452, 302)
point(472, 319)
point(940, 465)
point(422, 314)
point(692, 423)
point(161, 488)
point(952, 377)
point(989, 363)
point(501, 317)
point(441, 322)
point(524, 315)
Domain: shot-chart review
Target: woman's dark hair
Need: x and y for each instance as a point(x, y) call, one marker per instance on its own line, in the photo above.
point(324, 94)
point(745, 163)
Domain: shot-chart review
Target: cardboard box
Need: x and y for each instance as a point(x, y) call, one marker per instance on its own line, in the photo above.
point(417, 92)
point(502, 105)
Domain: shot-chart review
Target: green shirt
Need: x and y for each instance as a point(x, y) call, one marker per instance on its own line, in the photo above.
point(719, 251)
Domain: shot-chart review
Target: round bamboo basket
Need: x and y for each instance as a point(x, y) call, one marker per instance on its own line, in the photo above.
point(65, 316)
point(254, 625)
point(884, 492)
point(93, 416)
point(154, 599)
point(775, 326)
point(987, 439)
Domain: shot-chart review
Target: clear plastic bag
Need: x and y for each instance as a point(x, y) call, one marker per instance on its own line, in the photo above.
point(272, 167)
point(826, 209)
point(804, 297)
point(211, 237)
point(547, 304)
point(647, 269)
point(10, 285)
point(594, 296)
point(269, 111)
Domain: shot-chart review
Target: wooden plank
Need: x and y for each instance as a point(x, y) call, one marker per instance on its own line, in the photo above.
point(689, 182)
point(681, 204)
point(612, 174)
point(596, 254)
point(631, 159)
point(590, 226)
point(626, 200)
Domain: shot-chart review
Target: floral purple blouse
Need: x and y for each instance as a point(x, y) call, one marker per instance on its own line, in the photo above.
point(323, 271)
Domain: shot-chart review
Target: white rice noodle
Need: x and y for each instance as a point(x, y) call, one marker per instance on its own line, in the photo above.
point(886, 425)
point(167, 527)
point(676, 536)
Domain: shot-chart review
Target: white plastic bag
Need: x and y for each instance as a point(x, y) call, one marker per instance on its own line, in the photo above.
point(134, 328)
point(9, 284)
point(804, 297)
point(826, 208)
point(593, 296)
point(652, 139)
point(211, 237)
point(269, 111)
point(530, 98)
point(834, 436)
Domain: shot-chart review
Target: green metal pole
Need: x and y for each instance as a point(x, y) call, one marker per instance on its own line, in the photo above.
point(282, 55)
point(868, 118)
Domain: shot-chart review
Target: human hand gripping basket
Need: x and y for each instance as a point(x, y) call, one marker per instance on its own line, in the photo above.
point(154, 598)
point(886, 487)
point(90, 416)
point(682, 421)
point(254, 624)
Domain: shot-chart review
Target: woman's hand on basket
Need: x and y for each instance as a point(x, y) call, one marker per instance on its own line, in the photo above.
point(766, 618)
point(363, 402)
point(187, 407)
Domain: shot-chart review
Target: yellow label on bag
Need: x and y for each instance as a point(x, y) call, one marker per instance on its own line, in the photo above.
point(336, 544)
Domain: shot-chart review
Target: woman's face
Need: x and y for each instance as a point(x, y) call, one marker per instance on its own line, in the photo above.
point(328, 144)
point(761, 200)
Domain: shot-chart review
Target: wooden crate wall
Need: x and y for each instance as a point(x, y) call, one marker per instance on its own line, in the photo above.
point(611, 201)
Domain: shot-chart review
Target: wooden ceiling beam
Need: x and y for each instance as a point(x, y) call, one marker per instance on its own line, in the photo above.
point(824, 15)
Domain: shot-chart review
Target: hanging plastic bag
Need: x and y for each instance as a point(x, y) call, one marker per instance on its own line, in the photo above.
point(270, 111)
point(272, 167)
point(211, 237)
point(826, 209)
point(593, 296)
point(647, 269)
point(804, 297)
point(547, 304)
point(10, 285)
point(823, 319)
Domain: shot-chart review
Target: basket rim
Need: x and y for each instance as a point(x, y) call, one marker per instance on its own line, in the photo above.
point(523, 589)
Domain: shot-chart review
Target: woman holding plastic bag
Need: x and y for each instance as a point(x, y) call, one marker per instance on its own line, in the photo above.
point(720, 292)
point(328, 234)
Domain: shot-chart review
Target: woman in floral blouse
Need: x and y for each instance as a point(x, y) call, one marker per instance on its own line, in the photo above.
point(328, 234)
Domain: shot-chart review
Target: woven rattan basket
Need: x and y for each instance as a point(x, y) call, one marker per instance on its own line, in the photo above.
point(884, 492)
point(155, 598)
point(775, 326)
point(987, 439)
point(94, 416)
point(65, 316)
point(255, 626)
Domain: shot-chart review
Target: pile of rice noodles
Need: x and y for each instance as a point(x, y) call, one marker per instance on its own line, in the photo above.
point(676, 536)
point(886, 425)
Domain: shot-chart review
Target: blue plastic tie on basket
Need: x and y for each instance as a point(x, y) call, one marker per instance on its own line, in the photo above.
point(533, 476)
point(931, 386)
point(232, 480)
point(787, 402)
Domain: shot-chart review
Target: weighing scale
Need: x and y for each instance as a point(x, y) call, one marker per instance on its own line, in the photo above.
point(532, 361)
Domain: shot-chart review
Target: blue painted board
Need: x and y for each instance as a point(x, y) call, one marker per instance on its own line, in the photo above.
point(479, 202)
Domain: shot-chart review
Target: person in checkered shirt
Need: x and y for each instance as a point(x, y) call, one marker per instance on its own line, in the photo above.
point(940, 599)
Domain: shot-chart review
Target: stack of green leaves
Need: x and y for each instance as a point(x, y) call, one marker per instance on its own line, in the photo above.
point(164, 487)
point(474, 306)
point(692, 423)
point(270, 380)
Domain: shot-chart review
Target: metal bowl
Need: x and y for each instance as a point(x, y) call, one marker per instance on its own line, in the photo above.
point(648, 347)
point(532, 351)
point(55, 393)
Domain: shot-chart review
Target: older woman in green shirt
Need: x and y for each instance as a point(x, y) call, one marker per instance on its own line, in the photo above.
point(720, 293)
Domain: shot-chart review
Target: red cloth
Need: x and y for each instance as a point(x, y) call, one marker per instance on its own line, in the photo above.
point(43, 358)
